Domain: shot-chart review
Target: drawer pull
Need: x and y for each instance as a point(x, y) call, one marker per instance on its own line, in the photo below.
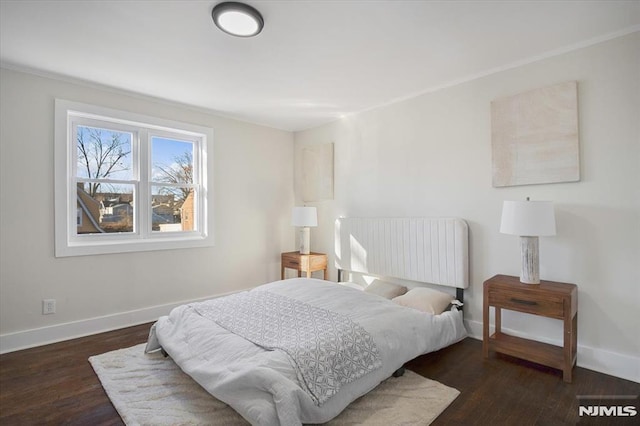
point(524, 302)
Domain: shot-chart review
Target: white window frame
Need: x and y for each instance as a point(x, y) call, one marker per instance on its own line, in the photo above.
point(67, 242)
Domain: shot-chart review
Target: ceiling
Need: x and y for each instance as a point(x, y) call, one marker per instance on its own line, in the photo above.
point(314, 62)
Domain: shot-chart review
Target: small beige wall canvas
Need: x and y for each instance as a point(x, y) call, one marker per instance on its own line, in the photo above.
point(317, 172)
point(534, 136)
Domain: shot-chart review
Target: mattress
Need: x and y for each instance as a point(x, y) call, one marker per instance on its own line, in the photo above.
point(263, 385)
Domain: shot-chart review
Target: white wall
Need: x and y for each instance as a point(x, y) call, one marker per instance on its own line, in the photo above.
point(431, 156)
point(252, 181)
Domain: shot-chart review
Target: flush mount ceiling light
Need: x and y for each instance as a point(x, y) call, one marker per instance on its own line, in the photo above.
point(237, 19)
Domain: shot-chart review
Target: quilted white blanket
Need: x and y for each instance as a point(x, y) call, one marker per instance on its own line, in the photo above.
point(263, 385)
point(327, 349)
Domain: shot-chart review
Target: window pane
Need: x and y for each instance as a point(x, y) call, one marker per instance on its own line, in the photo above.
point(104, 208)
point(172, 160)
point(103, 153)
point(173, 209)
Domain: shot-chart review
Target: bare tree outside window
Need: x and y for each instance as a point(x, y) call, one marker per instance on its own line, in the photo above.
point(179, 172)
point(172, 187)
point(102, 154)
point(105, 189)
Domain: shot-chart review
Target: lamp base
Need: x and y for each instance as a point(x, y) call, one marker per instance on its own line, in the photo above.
point(530, 272)
point(305, 246)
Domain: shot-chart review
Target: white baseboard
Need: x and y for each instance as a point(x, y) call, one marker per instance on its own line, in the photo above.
point(12, 342)
point(612, 363)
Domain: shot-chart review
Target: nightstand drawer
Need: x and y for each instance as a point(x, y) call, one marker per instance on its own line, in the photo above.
point(291, 262)
point(529, 303)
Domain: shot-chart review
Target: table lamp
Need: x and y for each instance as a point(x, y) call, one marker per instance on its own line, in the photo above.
point(529, 220)
point(304, 217)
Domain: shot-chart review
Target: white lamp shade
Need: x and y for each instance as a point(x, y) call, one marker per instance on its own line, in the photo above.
point(304, 216)
point(528, 218)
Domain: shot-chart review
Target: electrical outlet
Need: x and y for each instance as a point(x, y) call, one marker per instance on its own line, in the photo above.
point(48, 306)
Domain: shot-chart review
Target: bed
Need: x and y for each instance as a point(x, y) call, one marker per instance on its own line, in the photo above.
point(300, 350)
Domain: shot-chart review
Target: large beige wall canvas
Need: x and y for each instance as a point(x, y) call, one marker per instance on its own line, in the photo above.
point(534, 136)
point(317, 172)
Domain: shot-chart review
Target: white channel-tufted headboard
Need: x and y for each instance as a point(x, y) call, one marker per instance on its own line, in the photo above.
point(430, 250)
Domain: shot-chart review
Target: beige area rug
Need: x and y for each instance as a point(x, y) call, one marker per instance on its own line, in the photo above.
point(148, 389)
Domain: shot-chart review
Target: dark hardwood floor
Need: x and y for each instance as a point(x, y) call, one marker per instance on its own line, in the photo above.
point(55, 384)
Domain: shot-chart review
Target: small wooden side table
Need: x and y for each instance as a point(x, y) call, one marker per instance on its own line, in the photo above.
point(304, 263)
point(549, 299)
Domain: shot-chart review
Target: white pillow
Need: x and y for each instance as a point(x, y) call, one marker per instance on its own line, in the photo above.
point(385, 289)
point(425, 299)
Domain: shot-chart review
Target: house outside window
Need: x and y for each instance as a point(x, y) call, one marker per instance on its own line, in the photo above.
point(126, 182)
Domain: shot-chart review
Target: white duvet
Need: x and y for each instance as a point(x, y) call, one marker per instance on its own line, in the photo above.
point(262, 385)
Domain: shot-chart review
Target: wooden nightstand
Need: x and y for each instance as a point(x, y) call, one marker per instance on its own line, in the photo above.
point(549, 299)
point(304, 263)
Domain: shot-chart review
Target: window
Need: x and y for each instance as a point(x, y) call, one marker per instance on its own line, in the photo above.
point(126, 182)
